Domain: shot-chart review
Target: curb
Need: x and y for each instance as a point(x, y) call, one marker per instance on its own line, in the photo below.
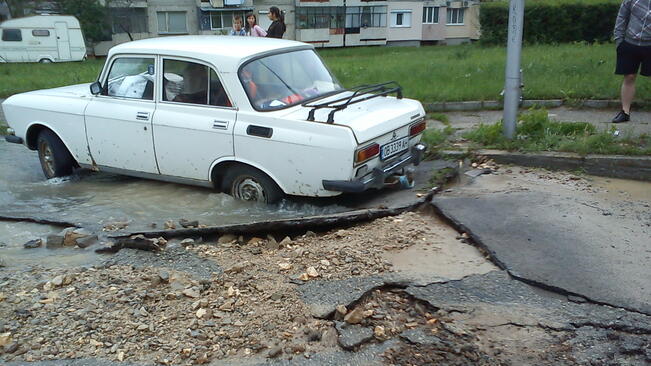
point(495, 104)
point(613, 166)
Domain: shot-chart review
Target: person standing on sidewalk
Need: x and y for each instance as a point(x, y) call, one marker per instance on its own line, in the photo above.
point(633, 39)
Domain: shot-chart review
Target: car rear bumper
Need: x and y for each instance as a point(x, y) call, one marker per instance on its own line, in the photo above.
point(377, 178)
point(10, 137)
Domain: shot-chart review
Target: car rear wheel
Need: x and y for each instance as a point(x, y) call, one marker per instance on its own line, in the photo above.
point(249, 184)
point(55, 158)
point(45, 61)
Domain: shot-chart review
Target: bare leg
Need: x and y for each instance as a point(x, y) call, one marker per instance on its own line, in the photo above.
point(628, 92)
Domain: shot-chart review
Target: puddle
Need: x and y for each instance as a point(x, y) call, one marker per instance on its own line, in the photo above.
point(441, 255)
point(14, 234)
point(622, 188)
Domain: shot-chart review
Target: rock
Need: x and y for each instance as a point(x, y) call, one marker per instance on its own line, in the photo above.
point(310, 234)
point(187, 242)
point(186, 223)
point(11, 348)
point(276, 296)
point(87, 241)
point(191, 292)
point(254, 240)
point(304, 277)
point(121, 356)
point(169, 225)
point(325, 262)
point(286, 241)
point(340, 312)
point(95, 343)
point(35, 243)
point(352, 336)
point(57, 281)
point(2, 298)
point(285, 266)
point(3, 263)
point(5, 339)
point(226, 238)
point(311, 271)
point(200, 313)
point(256, 251)
point(70, 237)
point(379, 332)
point(272, 244)
point(354, 317)
point(164, 276)
point(54, 241)
point(143, 312)
point(237, 268)
point(275, 352)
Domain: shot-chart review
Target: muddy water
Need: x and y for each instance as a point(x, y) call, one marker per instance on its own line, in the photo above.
point(92, 200)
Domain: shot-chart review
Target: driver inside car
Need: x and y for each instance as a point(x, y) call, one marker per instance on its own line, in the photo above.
point(195, 85)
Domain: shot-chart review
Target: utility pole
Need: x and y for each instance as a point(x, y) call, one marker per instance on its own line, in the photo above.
point(512, 84)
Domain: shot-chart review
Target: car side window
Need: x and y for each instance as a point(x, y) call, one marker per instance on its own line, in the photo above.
point(132, 77)
point(192, 83)
point(12, 35)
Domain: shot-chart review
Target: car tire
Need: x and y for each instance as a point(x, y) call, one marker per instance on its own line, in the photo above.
point(56, 160)
point(45, 61)
point(250, 184)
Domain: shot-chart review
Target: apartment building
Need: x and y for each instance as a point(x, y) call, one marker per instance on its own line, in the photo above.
point(324, 23)
point(343, 23)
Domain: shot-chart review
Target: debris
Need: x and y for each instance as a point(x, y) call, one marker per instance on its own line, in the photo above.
point(35, 243)
point(311, 271)
point(169, 225)
point(113, 226)
point(188, 224)
point(226, 238)
point(354, 317)
point(340, 312)
point(191, 292)
point(285, 266)
point(286, 241)
point(352, 336)
point(379, 332)
point(275, 352)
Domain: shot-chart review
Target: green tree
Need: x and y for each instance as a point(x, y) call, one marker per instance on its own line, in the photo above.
point(92, 16)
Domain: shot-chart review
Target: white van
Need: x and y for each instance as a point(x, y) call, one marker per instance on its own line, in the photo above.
point(42, 38)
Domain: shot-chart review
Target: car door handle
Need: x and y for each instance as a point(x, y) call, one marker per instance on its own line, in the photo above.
point(259, 131)
point(142, 116)
point(220, 125)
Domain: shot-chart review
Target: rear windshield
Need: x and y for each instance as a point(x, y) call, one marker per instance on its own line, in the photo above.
point(282, 80)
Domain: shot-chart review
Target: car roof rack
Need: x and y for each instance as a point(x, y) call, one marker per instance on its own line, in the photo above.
point(376, 90)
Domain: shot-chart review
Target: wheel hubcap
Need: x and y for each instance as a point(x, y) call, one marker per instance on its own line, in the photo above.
point(47, 157)
point(248, 189)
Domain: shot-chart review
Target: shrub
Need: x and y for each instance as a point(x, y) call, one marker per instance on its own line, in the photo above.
point(552, 21)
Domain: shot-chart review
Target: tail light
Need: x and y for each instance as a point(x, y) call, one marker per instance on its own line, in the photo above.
point(417, 128)
point(367, 153)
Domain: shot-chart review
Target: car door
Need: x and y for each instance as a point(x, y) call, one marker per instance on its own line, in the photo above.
point(193, 125)
point(119, 120)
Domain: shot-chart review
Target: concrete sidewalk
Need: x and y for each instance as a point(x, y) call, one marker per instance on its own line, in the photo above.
point(641, 120)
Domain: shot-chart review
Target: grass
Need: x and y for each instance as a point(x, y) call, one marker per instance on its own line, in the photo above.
point(536, 132)
point(429, 74)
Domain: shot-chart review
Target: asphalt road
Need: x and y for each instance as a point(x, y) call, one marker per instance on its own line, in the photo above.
point(560, 235)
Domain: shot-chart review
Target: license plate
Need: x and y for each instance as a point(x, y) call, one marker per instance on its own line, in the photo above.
point(393, 148)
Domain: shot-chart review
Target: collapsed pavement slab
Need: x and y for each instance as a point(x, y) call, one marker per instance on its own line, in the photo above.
point(560, 238)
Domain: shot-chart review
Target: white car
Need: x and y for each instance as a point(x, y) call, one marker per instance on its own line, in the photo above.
point(254, 117)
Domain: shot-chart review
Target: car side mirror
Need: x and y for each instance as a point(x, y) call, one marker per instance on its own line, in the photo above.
point(96, 88)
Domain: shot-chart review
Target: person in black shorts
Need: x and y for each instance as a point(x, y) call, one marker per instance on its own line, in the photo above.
point(633, 38)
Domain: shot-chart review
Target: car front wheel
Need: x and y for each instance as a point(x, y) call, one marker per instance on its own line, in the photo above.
point(249, 184)
point(55, 158)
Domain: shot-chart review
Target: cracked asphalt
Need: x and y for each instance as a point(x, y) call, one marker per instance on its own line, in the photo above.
point(591, 240)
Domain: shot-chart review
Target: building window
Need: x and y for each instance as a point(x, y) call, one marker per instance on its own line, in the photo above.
point(12, 35)
point(320, 17)
point(173, 22)
point(401, 18)
point(224, 19)
point(366, 17)
point(455, 16)
point(41, 33)
point(430, 15)
point(129, 20)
